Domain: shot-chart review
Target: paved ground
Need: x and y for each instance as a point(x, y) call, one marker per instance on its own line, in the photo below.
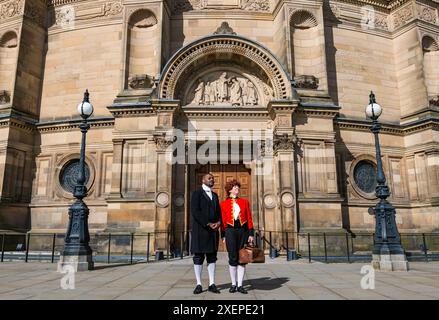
point(276, 279)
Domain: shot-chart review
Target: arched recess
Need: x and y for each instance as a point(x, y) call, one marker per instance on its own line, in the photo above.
point(307, 49)
point(8, 58)
point(430, 48)
point(249, 58)
point(142, 49)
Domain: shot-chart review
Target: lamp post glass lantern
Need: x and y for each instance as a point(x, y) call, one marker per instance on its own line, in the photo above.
point(77, 251)
point(388, 253)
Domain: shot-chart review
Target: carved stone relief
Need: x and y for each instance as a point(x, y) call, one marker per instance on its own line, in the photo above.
point(5, 97)
point(228, 88)
point(11, 9)
point(66, 14)
point(180, 6)
point(426, 14)
point(402, 16)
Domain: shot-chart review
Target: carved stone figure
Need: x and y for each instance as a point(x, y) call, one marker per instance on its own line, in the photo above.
point(199, 93)
point(251, 94)
point(235, 92)
point(207, 90)
point(222, 87)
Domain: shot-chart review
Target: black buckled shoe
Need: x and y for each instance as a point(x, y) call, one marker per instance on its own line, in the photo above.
point(198, 289)
point(233, 289)
point(213, 289)
point(242, 290)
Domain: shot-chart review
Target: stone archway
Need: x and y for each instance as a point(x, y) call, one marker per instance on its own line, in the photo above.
point(224, 49)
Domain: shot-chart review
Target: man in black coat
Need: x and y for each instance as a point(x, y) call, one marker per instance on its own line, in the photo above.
point(206, 219)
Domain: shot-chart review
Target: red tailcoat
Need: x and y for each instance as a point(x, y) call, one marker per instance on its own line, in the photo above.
point(245, 215)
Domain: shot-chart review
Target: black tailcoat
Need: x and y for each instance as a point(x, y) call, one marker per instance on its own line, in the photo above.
point(204, 211)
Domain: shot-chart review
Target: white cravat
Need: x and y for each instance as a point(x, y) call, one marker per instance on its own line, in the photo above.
point(207, 190)
point(236, 210)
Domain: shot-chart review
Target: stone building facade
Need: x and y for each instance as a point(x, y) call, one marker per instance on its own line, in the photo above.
point(300, 70)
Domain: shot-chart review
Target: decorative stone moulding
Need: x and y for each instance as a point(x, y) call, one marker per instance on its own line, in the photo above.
point(302, 19)
point(226, 45)
point(5, 97)
point(180, 6)
point(162, 199)
point(306, 82)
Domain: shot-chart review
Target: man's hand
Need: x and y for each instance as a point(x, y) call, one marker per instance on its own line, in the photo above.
point(214, 225)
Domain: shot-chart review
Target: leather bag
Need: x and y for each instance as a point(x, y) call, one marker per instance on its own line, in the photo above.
point(251, 254)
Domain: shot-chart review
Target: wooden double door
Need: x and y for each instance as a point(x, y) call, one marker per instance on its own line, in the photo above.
point(224, 173)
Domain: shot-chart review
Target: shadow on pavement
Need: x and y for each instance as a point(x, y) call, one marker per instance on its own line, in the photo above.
point(265, 283)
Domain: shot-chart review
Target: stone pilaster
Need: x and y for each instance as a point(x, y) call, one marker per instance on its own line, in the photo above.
point(116, 178)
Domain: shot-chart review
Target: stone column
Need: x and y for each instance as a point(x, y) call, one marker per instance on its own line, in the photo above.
point(284, 171)
point(163, 137)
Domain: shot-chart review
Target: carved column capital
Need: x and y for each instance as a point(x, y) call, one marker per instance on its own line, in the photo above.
point(162, 142)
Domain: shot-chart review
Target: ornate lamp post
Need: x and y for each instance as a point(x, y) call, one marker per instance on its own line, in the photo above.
point(77, 251)
point(388, 254)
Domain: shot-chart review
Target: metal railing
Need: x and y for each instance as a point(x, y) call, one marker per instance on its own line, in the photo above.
point(147, 247)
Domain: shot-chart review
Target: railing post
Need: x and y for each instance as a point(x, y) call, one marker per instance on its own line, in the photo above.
point(168, 243)
point(286, 242)
point(182, 245)
point(425, 247)
point(271, 246)
point(27, 247)
point(109, 247)
point(309, 248)
point(132, 247)
point(3, 245)
point(147, 247)
point(347, 247)
point(326, 248)
point(53, 247)
point(189, 243)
